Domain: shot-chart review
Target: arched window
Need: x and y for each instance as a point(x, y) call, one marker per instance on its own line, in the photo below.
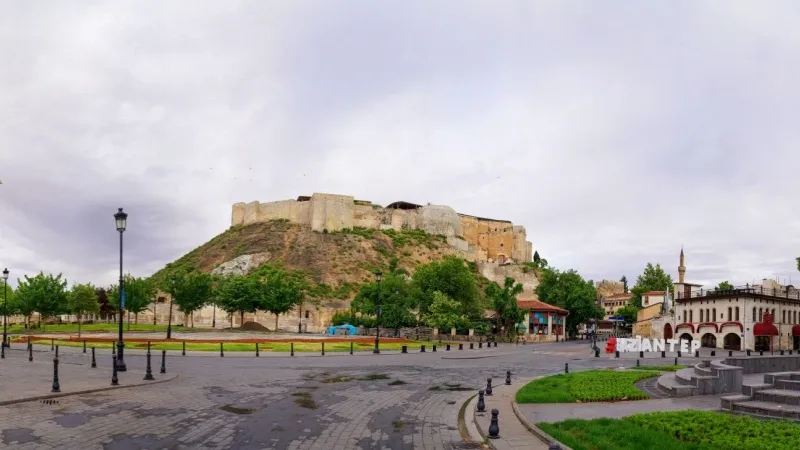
point(783, 316)
point(701, 315)
point(730, 316)
point(760, 314)
point(754, 313)
point(691, 318)
point(774, 317)
point(684, 316)
point(714, 315)
point(795, 317)
point(737, 313)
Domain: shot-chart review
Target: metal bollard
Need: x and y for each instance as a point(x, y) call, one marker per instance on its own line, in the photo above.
point(113, 348)
point(713, 353)
point(641, 354)
point(471, 346)
point(679, 354)
point(323, 349)
point(637, 363)
point(508, 378)
point(433, 349)
point(663, 354)
point(489, 386)
point(616, 354)
point(404, 349)
point(94, 361)
point(114, 379)
point(52, 344)
point(183, 349)
point(697, 353)
point(748, 353)
point(148, 375)
point(597, 353)
point(495, 344)
point(494, 426)
point(2, 352)
point(422, 349)
point(221, 351)
point(730, 353)
point(566, 367)
point(481, 403)
point(291, 349)
point(30, 353)
point(676, 361)
point(447, 348)
point(163, 361)
point(56, 351)
point(480, 345)
point(257, 353)
point(461, 346)
point(761, 353)
point(56, 385)
point(351, 347)
point(84, 346)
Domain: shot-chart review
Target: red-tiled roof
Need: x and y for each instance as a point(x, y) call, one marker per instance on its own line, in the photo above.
point(536, 305)
point(616, 296)
point(655, 293)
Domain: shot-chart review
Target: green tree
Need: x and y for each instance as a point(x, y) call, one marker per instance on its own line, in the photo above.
point(504, 303)
point(652, 279)
point(239, 294)
point(192, 291)
point(798, 263)
point(450, 276)
point(10, 303)
point(628, 313)
point(724, 286)
point(395, 301)
point(83, 300)
point(45, 294)
point(444, 313)
point(139, 293)
point(570, 291)
point(280, 293)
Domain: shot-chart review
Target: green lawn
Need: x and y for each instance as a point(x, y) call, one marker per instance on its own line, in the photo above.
point(109, 327)
point(589, 386)
point(662, 368)
point(678, 430)
point(238, 347)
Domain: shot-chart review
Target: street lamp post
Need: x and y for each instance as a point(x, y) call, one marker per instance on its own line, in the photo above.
point(593, 324)
point(5, 306)
point(213, 317)
point(121, 218)
point(169, 320)
point(378, 276)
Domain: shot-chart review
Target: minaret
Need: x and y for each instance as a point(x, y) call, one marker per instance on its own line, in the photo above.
point(681, 268)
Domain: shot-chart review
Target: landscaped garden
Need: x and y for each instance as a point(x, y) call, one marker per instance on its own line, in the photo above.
point(97, 326)
point(677, 430)
point(588, 386)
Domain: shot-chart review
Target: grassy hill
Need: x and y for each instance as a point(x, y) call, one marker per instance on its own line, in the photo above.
point(336, 263)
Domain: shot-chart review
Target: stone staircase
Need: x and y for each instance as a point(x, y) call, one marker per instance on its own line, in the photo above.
point(778, 396)
point(706, 378)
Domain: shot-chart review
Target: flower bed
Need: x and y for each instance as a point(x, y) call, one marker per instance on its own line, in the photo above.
point(589, 386)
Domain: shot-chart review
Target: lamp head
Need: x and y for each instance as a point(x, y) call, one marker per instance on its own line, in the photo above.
point(121, 218)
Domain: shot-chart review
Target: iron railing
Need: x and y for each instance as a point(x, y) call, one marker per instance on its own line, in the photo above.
point(742, 291)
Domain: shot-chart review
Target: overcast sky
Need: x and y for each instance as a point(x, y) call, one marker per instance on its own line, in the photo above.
point(615, 132)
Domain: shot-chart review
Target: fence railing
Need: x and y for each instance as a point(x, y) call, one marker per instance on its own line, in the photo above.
point(742, 290)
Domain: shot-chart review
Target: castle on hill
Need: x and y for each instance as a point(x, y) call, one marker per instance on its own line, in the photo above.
point(476, 238)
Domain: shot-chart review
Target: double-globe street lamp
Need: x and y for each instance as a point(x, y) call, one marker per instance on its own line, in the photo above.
point(5, 307)
point(121, 219)
point(378, 277)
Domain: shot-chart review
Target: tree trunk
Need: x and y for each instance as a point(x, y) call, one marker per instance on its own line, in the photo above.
point(242, 320)
point(136, 319)
point(129, 322)
point(276, 321)
point(79, 326)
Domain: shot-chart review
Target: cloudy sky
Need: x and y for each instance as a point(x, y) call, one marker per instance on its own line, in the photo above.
point(615, 132)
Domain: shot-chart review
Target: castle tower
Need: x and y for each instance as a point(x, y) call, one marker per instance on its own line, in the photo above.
point(681, 269)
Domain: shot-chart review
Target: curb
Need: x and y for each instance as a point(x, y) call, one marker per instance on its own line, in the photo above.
point(476, 357)
point(87, 391)
point(538, 432)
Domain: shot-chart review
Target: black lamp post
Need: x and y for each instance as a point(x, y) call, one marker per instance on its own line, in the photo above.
point(171, 300)
point(213, 316)
point(593, 335)
point(5, 306)
point(378, 276)
point(121, 218)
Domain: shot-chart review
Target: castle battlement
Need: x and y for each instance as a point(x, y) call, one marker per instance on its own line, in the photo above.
point(477, 238)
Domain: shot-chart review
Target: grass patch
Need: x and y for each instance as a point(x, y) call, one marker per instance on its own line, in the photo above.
point(374, 376)
point(310, 388)
point(394, 383)
point(671, 368)
point(107, 327)
point(398, 425)
point(435, 388)
point(677, 430)
point(339, 379)
point(235, 410)
point(306, 402)
point(589, 386)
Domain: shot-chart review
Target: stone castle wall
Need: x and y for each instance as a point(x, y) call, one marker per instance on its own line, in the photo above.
point(477, 238)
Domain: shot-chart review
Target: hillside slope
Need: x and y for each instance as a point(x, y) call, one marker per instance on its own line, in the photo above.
point(335, 262)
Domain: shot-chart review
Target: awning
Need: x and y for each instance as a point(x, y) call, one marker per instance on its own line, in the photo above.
point(732, 324)
point(685, 325)
point(796, 330)
point(764, 329)
point(708, 324)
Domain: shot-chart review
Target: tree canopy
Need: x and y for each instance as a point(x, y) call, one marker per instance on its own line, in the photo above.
point(503, 301)
point(444, 313)
point(450, 276)
point(724, 286)
point(82, 299)
point(624, 281)
point(280, 293)
point(570, 291)
point(139, 293)
point(239, 294)
point(396, 301)
point(652, 279)
point(628, 313)
point(192, 290)
point(45, 294)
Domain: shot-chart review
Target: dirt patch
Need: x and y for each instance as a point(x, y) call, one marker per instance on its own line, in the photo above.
point(253, 326)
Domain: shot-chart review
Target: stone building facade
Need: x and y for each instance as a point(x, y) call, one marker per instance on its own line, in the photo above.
point(477, 238)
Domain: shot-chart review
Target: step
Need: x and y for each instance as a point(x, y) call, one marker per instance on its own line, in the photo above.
point(782, 396)
point(771, 377)
point(702, 371)
point(768, 409)
point(751, 389)
point(728, 401)
point(674, 388)
point(684, 376)
point(790, 385)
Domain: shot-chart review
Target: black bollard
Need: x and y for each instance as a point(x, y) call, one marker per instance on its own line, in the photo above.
point(676, 361)
point(461, 346)
point(713, 353)
point(566, 367)
point(616, 354)
point(30, 353)
point(663, 354)
point(679, 353)
point(164, 361)
point(2, 352)
point(761, 353)
point(495, 344)
point(697, 353)
point(148, 375)
point(404, 349)
point(597, 353)
point(730, 353)
point(748, 353)
point(221, 351)
point(494, 427)
point(508, 378)
point(781, 353)
point(637, 363)
point(434, 348)
point(291, 349)
point(323, 349)
point(489, 386)
point(481, 403)
point(471, 346)
point(447, 348)
point(351, 347)
point(30, 345)
point(113, 348)
point(56, 385)
point(56, 351)
point(183, 349)
point(84, 346)
point(94, 361)
point(257, 353)
point(422, 349)
point(480, 345)
point(114, 379)
point(52, 344)
point(641, 354)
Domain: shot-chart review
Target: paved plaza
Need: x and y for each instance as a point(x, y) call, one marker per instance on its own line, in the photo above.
point(306, 402)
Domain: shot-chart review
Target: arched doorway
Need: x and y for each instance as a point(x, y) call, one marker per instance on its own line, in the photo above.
point(732, 341)
point(762, 343)
point(667, 331)
point(686, 337)
point(708, 341)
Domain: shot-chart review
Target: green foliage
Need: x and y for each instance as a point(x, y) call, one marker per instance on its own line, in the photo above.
point(45, 294)
point(570, 291)
point(628, 312)
point(83, 299)
point(281, 291)
point(444, 313)
point(366, 233)
point(588, 386)
point(344, 317)
point(677, 430)
point(503, 301)
point(191, 290)
point(798, 263)
point(450, 276)
point(652, 279)
point(239, 294)
point(393, 297)
point(139, 293)
point(9, 301)
point(724, 286)
point(414, 237)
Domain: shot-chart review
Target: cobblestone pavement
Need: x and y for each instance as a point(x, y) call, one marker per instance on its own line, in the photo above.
point(309, 403)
